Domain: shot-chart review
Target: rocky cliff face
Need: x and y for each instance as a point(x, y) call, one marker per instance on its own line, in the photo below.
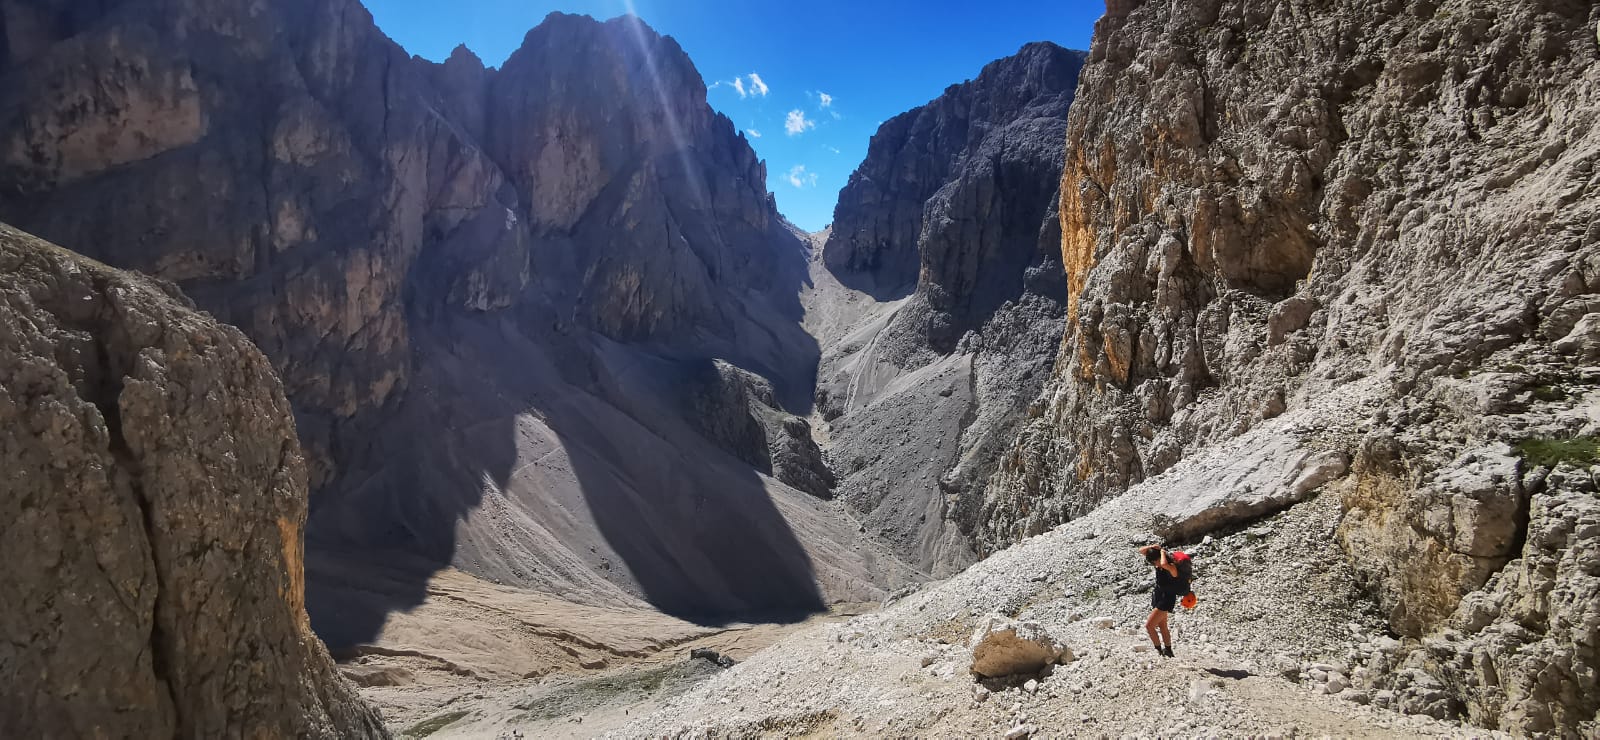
point(154, 502)
point(485, 290)
point(955, 204)
point(1266, 202)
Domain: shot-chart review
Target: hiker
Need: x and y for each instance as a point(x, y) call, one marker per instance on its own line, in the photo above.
point(1172, 582)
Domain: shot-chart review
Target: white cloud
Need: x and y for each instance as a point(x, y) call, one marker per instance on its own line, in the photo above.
point(754, 134)
point(835, 150)
point(825, 99)
point(758, 87)
point(799, 178)
point(796, 123)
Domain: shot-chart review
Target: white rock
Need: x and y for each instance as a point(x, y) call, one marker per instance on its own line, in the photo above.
point(1104, 623)
point(1031, 686)
point(1020, 731)
point(1335, 685)
point(1276, 473)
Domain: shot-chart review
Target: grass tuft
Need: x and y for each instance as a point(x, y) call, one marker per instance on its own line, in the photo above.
point(1549, 393)
point(1581, 451)
point(433, 724)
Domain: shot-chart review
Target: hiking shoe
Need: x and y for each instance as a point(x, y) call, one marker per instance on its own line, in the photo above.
point(1167, 651)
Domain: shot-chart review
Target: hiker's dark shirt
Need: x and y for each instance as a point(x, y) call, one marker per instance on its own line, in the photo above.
point(1170, 584)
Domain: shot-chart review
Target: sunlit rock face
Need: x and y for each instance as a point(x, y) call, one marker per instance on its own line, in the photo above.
point(154, 502)
point(948, 228)
point(1263, 203)
point(485, 290)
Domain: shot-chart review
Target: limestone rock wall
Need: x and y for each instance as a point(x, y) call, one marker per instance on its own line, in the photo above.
point(1257, 229)
point(1263, 203)
point(948, 230)
point(153, 501)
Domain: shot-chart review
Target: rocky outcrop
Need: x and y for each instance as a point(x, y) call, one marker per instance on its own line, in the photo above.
point(154, 501)
point(739, 412)
point(954, 205)
point(476, 285)
point(1263, 205)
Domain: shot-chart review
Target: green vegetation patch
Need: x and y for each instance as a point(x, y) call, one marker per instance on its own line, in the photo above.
point(433, 724)
point(586, 695)
point(1549, 393)
point(1582, 451)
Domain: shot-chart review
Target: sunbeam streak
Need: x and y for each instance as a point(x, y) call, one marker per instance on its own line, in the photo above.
point(681, 144)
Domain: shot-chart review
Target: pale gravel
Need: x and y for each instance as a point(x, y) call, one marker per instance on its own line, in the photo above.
point(1275, 593)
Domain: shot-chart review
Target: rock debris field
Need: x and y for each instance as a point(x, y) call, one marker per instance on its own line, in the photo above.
point(1276, 648)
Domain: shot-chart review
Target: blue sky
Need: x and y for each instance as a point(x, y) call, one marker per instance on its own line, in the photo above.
point(829, 71)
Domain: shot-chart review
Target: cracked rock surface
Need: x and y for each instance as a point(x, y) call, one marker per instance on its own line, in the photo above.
point(1267, 206)
point(154, 501)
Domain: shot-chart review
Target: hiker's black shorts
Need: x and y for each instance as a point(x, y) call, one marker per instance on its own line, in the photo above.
point(1162, 600)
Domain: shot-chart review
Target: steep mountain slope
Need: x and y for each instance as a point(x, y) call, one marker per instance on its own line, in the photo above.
point(507, 305)
point(938, 299)
point(1264, 203)
point(153, 509)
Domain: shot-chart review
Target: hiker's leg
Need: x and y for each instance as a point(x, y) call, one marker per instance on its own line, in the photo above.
point(1161, 625)
point(1150, 625)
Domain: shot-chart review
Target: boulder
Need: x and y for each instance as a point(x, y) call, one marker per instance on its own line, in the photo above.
point(1007, 647)
point(1584, 339)
point(711, 656)
point(1271, 473)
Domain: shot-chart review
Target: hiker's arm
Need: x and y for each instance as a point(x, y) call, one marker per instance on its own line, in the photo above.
point(1166, 565)
point(1146, 549)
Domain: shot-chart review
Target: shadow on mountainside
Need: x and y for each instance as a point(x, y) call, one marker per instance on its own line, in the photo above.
point(883, 285)
point(554, 462)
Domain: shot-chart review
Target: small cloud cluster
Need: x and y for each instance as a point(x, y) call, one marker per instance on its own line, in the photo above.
point(796, 123)
point(825, 104)
point(758, 88)
point(800, 178)
point(747, 86)
point(754, 134)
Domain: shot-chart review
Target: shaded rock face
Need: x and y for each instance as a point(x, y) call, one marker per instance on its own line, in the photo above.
point(155, 498)
point(291, 189)
point(605, 132)
point(979, 158)
point(478, 287)
point(1265, 203)
point(738, 411)
point(955, 205)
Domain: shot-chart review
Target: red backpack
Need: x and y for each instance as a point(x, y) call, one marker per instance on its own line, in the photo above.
point(1185, 565)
